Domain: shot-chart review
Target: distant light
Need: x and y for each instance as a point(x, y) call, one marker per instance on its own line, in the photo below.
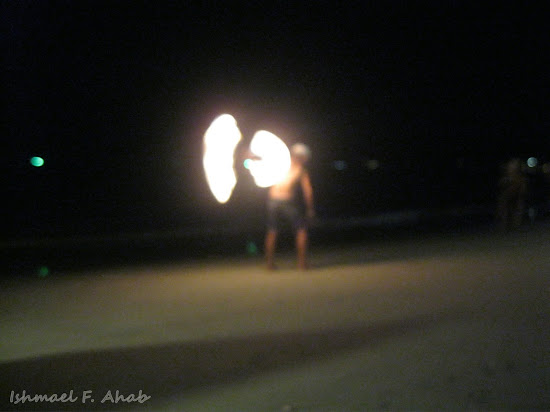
point(273, 161)
point(373, 164)
point(43, 271)
point(220, 142)
point(37, 161)
point(251, 248)
point(340, 165)
point(532, 162)
point(247, 164)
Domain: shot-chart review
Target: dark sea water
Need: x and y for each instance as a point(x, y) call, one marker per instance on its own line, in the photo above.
point(52, 256)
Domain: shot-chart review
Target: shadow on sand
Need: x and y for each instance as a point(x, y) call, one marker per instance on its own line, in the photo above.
point(173, 369)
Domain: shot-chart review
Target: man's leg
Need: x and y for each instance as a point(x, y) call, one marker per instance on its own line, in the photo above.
point(502, 214)
point(301, 248)
point(517, 214)
point(270, 242)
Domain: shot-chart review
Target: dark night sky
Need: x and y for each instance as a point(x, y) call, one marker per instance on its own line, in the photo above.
point(116, 96)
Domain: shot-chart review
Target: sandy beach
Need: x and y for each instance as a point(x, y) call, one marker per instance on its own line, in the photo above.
point(438, 322)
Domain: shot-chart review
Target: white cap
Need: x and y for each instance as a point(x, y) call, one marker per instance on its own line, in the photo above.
point(300, 149)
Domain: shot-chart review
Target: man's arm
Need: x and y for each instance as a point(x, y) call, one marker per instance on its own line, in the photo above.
point(307, 190)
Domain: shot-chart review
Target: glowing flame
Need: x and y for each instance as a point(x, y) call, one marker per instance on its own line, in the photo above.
point(273, 161)
point(220, 142)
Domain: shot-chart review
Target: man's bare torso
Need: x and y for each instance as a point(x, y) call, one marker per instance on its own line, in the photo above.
point(285, 189)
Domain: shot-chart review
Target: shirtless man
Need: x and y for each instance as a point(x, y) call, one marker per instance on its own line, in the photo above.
point(282, 203)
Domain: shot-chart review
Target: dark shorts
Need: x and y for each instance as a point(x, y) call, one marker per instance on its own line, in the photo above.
point(281, 212)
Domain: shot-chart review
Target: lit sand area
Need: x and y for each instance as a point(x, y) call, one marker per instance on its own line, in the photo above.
point(440, 322)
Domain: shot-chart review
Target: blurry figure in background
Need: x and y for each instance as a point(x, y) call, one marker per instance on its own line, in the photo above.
point(283, 204)
point(536, 191)
point(511, 199)
point(546, 174)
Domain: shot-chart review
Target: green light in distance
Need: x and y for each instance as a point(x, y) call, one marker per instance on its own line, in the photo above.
point(251, 248)
point(37, 161)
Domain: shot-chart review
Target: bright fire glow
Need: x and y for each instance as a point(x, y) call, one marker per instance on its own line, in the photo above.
point(273, 161)
point(220, 142)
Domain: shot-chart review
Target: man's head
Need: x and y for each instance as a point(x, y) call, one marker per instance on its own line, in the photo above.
point(300, 152)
